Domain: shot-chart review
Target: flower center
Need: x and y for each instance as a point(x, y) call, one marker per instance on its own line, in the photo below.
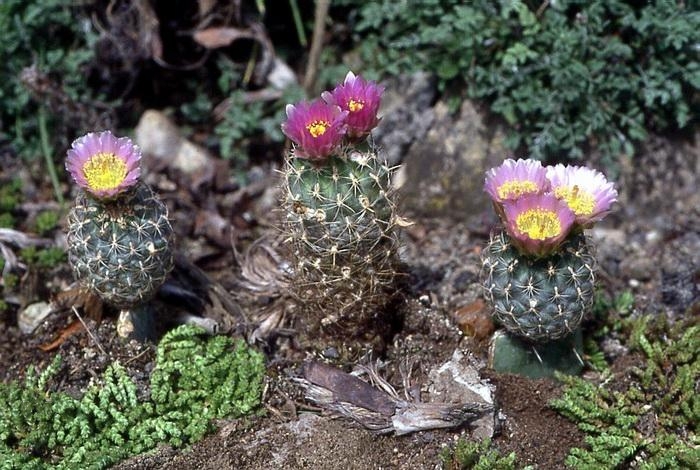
point(317, 128)
point(580, 202)
point(539, 224)
point(516, 188)
point(104, 171)
point(355, 105)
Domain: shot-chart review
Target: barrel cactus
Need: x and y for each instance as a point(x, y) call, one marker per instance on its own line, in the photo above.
point(119, 236)
point(539, 273)
point(340, 219)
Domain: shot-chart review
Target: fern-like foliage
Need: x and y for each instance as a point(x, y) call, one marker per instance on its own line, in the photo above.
point(477, 455)
point(654, 420)
point(564, 75)
point(196, 379)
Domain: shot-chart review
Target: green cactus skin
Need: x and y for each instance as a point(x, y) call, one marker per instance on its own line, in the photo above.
point(121, 249)
point(341, 224)
point(539, 299)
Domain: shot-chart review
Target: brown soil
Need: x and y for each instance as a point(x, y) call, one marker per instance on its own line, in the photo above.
point(441, 290)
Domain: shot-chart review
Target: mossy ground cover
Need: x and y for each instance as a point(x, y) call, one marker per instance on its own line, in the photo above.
point(645, 415)
point(196, 379)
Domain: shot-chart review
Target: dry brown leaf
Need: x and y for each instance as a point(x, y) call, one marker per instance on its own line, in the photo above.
point(474, 320)
point(215, 37)
point(66, 333)
point(79, 297)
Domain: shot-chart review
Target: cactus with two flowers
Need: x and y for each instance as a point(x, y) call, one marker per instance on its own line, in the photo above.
point(340, 219)
point(119, 236)
point(539, 271)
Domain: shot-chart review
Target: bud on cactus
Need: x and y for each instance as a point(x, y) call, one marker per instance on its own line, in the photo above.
point(119, 236)
point(539, 274)
point(340, 218)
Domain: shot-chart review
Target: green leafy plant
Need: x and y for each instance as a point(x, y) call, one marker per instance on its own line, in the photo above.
point(46, 221)
point(476, 455)
point(564, 75)
point(44, 258)
point(653, 418)
point(196, 379)
point(9, 199)
point(244, 120)
point(54, 37)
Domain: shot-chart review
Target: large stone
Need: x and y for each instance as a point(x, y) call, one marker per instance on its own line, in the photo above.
point(406, 113)
point(444, 171)
point(160, 139)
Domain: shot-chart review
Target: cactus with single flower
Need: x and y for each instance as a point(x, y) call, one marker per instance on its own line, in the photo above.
point(119, 236)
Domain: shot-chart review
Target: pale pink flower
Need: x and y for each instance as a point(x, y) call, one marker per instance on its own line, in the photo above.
point(104, 165)
point(515, 178)
point(537, 223)
point(586, 191)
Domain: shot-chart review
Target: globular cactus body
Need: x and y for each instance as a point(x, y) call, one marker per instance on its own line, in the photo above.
point(121, 249)
point(340, 220)
point(119, 237)
point(539, 298)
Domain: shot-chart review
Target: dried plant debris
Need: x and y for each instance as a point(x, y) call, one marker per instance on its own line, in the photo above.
point(376, 404)
point(650, 417)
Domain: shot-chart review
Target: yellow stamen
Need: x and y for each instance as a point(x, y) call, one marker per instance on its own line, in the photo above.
point(105, 171)
point(580, 202)
point(318, 128)
point(516, 188)
point(355, 105)
point(538, 224)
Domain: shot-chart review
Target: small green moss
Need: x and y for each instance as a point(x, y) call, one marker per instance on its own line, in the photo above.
point(475, 455)
point(653, 418)
point(10, 195)
point(46, 221)
point(196, 379)
point(45, 258)
point(11, 280)
point(7, 220)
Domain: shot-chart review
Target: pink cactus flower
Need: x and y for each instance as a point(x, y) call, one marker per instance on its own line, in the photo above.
point(515, 178)
point(103, 164)
point(537, 223)
point(317, 128)
point(586, 191)
point(361, 99)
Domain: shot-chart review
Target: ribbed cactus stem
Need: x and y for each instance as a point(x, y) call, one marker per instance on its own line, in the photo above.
point(121, 248)
point(539, 298)
point(341, 221)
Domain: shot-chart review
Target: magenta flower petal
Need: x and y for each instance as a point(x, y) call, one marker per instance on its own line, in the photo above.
point(537, 223)
point(361, 99)
point(586, 191)
point(515, 178)
point(103, 164)
point(317, 128)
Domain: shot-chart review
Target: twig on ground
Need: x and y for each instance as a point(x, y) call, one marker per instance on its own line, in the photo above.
point(92, 336)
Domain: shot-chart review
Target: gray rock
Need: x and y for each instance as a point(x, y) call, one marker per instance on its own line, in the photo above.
point(444, 171)
point(406, 115)
point(458, 381)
